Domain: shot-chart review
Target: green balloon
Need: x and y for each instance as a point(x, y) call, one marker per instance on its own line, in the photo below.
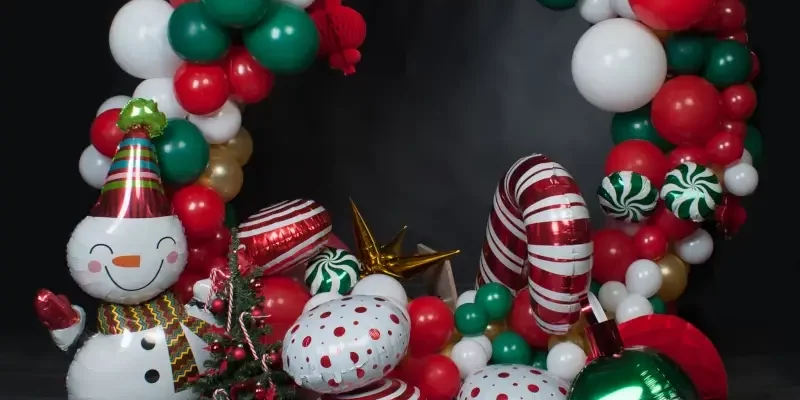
point(558, 4)
point(285, 41)
point(594, 287)
point(231, 219)
point(195, 36)
point(728, 63)
point(495, 299)
point(659, 307)
point(636, 125)
point(686, 54)
point(539, 360)
point(754, 143)
point(237, 13)
point(511, 348)
point(182, 152)
point(471, 319)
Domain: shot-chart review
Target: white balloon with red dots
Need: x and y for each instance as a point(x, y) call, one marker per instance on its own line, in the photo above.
point(512, 382)
point(346, 344)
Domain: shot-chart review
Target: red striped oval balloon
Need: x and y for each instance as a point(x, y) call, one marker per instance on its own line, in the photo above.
point(386, 389)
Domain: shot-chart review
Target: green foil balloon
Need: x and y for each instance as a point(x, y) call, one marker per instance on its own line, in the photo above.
point(659, 307)
point(471, 319)
point(195, 36)
point(558, 4)
point(728, 63)
point(231, 218)
point(511, 348)
point(686, 54)
point(636, 125)
point(539, 360)
point(633, 374)
point(142, 113)
point(182, 152)
point(495, 299)
point(286, 40)
point(237, 13)
point(754, 143)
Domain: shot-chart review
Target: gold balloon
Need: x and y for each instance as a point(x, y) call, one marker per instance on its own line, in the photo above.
point(448, 348)
point(495, 328)
point(675, 277)
point(576, 335)
point(223, 173)
point(663, 36)
point(719, 171)
point(241, 146)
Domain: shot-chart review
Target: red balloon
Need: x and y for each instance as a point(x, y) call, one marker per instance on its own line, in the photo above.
point(216, 262)
point(249, 81)
point(639, 156)
point(439, 378)
point(739, 102)
point(732, 15)
point(670, 15)
point(177, 3)
point(739, 36)
point(219, 243)
point(198, 259)
point(277, 332)
point(672, 226)
point(685, 154)
point(104, 134)
point(284, 299)
point(739, 128)
point(409, 370)
point(201, 89)
point(686, 110)
point(614, 252)
point(184, 287)
point(522, 322)
point(650, 242)
point(432, 324)
point(200, 209)
point(755, 69)
point(725, 148)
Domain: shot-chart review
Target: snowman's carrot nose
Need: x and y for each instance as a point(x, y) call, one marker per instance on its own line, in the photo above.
point(127, 261)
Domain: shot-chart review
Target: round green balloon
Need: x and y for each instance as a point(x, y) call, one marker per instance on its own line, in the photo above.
point(636, 125)
point(539, 360)
point(495, 299)
point(195, 36)
point(511, 348)
point(558, 4)
point(285, 41)
point(182, 152)
point(237, 13)
point(728, 63)
point(659, 307)
point(686, 54)
point(594, 287)
point(754, 143)
point(471, 319)
point(231, 219)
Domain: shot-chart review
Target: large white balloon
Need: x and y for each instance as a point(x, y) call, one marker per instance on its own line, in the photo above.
point(695, 248)
point(484, 341)
point(382, 285)
point(221, 126)
point(565, 360)
point(118, 101)
point(633, 306)
point(594, 11)
point(618, 65)
point(643, 277)
point(469, 356)
point(160, 90)
point(741, 179)
point(138, 39)
point(93, 167)
point(611, 294)
point(623, 8)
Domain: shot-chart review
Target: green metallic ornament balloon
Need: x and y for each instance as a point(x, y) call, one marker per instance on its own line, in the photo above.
point(729, 63)
point(182, 152)
point(685, 54)
point(511, 348)
point(471, 319)
point(495, 299)
point(195, 36)
point(142, 113)
point(539, 360)
point(286, 40)
point(558, 4)
point(636, 125)
point(237, 13)
point(659, 307)
point(231, 218)
point(754, 143)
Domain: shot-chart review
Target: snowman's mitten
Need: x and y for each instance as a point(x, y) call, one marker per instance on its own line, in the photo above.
point(64, 320)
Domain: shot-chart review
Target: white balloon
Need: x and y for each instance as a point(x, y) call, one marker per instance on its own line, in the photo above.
point(93, 167)
point(466, 297)
point(138, 39)
point(594, 11)
point(565, 360)
point(384, 286)
point(298, 3)
point(469, 356)
point(630, 228)
point(747, 158)
point(618, 65)
point(695, 248)
point(741, 179)
point(623, 9)
point(118, 101)
point(484, 341)
point(160, 90)
point(643, 277)
point(633, 306)
point(611, 294)
point(221, 126)
point(319, 298)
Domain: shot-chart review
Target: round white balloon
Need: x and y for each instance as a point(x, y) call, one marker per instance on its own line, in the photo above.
point(382, 285)
point(118, 101)
point(611, 294)
point(594, 11)
point(221, 126)
point(741, 179)
point(630, 228)
point(93, 167)
point(643, 277)
point(747, 158)
point(138, 39)
point(623, 9)
point(469, 356)
point(160, 90)
point(466, 297)
point(695, 248)
point(298, 3)
point(618, 65)
point(633, 306)
point(483, 341)
point(565, 360)
point(320, 298)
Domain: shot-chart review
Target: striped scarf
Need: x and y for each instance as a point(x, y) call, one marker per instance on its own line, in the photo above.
point(168, 313)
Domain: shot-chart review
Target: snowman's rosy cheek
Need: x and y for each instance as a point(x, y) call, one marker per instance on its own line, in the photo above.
point(172, 257)
point(95, 266)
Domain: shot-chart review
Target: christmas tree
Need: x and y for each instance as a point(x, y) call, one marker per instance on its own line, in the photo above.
point(241, 367)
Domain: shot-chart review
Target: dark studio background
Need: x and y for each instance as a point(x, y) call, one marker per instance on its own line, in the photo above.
point(449, 94)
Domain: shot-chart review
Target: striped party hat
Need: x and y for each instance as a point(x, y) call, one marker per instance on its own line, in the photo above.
point(133, 185)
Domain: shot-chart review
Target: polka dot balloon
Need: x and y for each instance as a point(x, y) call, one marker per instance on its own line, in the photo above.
point(512, 382)
point(346, 344)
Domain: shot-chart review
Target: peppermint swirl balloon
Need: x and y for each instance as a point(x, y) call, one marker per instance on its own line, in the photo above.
point(627, 196)
point(691, 191)
point(332, 270)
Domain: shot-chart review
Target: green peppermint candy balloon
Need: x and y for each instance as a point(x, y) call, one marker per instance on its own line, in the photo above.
point(691, 191)
point(332, 270)
point(627, 196)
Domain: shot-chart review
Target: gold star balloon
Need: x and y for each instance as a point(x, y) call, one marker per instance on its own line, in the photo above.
point(386, 259)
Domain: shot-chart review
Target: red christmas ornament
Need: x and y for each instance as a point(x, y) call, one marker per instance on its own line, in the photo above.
point(215, 348)
point(275, 359)
point(239, 354)
point(342, 31)
point(201, 89)
point(105, 134)
point(217, 306)
point(730, 215)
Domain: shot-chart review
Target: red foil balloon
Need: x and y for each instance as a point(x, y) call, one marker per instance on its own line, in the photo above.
point(201, 89)
point(342, 30)
point(105, 134)
point(200, 209)
point(683, 154)
point(639, 156)
point(672, 226)
point(432, 325)
point(614, 252)
point(670, 15)
point(55, 311)
point(686, 110)
point(249, 81)
point(522, 322)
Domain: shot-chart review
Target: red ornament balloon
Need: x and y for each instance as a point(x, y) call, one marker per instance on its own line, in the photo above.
point(686, 110)
point(739, 128)
point(614, 252)
point(755, 69)
point(201, 89)
point(432, 325)
point(284, 299)
point(739, 102)
point(639, 156)
point(104, 134)
point(249, 81)
point(724, 148)
point(672, 226)
point(522, 322)
point(439, 378)
point(200, 209)
point(670, 15)
point(650, 242)
point(685, 154)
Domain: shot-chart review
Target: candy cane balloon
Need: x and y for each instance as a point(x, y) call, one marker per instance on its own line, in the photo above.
point(540, 223)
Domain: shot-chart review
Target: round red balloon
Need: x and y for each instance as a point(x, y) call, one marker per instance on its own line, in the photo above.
point(284, 299)
point(438, 378)
point(201, 89)
point(104, 134)
point(755, 70)
point(522, 322)
point(684, 154)
point(432, 324)
point(724, 148)
point(670, 15)
point(200, 209)
point(732, 15)
point(739, 128)
point(739, 102)
point(184, 287)
point(650, 242)
point(249, 81)
point(614, 252)
point(198, 258)
point(218, 244)
point(639, 156)
point(740, 36)
point(672, 226)
point(686, 110)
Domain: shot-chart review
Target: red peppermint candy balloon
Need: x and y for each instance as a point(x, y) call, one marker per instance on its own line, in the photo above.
point(386, 389)
point(511, 382)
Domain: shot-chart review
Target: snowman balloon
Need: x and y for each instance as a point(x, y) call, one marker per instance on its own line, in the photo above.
point(127, 252)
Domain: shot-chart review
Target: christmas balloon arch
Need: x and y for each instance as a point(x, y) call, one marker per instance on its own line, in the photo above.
point(191, 309)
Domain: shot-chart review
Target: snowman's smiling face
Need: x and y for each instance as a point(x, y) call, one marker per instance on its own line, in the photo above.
point(126, 261)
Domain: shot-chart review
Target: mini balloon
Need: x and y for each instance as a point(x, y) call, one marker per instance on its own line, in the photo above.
point(724, 148)
point(471, 319)
point(633, 306)
point(201, 89)
point(638, 156)
point(104, 134)
point(221, 126)
point(675, 277)
point(284, 42)
point(182, 152)
point(495, 299)
point(162, 92)
point(93, 167)
point(643, 278)
point(729, 63)
point(687, 110)
point(611, 294)
point(635, 125)
point(686, 54)
point(741, 179)
point(510, 348)
point(117, 101)
point(565, 360)
point(249, 81)
point(195, 36)
point(739, 101)
point(236, 13)
point(594, 11)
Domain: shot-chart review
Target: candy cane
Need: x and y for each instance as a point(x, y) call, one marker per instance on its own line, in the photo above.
point(539, 212)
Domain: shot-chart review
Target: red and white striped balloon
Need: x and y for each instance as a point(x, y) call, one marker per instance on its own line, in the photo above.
point(386, 389)
point(540, 224)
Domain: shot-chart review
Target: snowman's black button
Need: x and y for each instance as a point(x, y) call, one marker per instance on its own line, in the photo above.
point(148, 343)
point(152, 376)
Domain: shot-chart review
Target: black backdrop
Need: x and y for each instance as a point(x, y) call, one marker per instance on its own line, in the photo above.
point(448, 95)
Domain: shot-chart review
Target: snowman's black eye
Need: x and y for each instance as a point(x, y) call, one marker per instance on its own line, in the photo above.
point(101, 245)
point(166, 238)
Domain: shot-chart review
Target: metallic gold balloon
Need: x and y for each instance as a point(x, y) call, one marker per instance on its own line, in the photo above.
point(719, 171)
point(448, 348)
point(241, 146)
point(223, 173)
point(662, 35)
point(495, 328)
point(675, 277)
